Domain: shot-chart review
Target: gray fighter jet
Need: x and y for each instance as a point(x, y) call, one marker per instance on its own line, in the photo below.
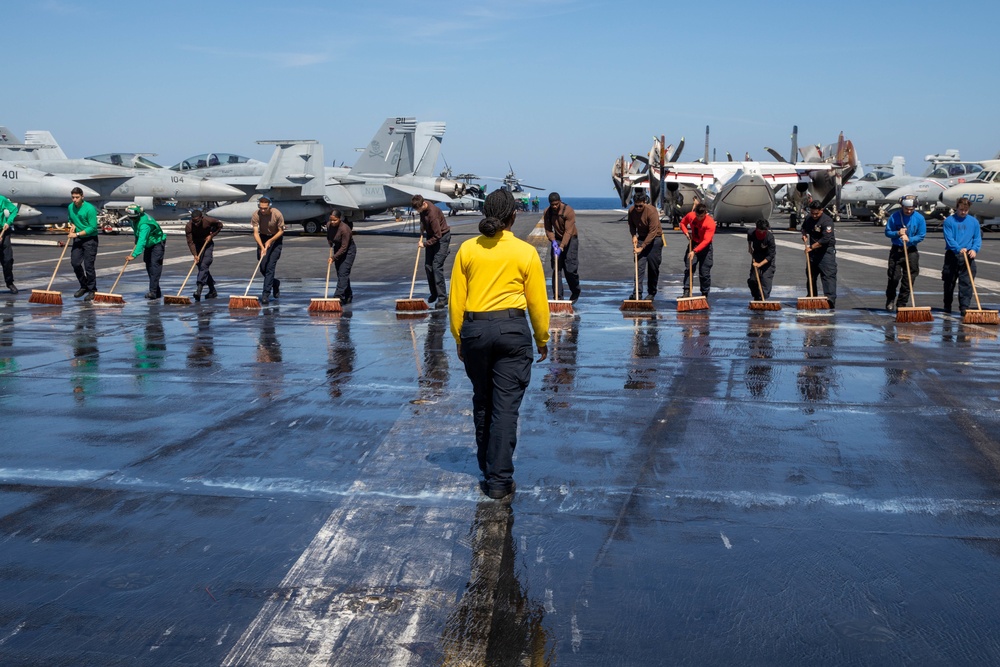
point(983, 192)
point(136, 180)
point(389, 172)
point(35, 190)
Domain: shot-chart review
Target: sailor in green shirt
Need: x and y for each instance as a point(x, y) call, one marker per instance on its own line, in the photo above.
point(150, 242)
point(83, 218)
point(8, 211)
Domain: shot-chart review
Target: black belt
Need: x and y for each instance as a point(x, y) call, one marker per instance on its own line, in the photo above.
point(495, 314)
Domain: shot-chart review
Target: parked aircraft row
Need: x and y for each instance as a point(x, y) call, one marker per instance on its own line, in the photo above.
point(743, 191)
point(397, 163)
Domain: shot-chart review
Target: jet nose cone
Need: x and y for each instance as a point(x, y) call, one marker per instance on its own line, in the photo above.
point(219, 191)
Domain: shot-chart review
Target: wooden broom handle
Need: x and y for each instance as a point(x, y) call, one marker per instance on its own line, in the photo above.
point(809, 271)
point(191, 270)
point(690, 266)
point(635, 255)
point(968, 267)
point(124, 266)
point(256, 268)
point(416, 263)
point(760, 287)
point(909, 280)
point(61, 255)
point(326, 292)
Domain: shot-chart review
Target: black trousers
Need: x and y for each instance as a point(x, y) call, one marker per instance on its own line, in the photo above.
point(434, 260)
point(204, 264)
point(343, 266)
point(650, 256)
point(7, 258)
point(703, 262)
point(153, 257)
point(268, 266)
point(497, 356)
point(569, 266)
point(766, 280)
point(897, 274)
point(823, 264)
point(82, 258)
point(955, 271)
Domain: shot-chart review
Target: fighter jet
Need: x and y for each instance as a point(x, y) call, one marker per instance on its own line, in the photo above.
point(34, 190)
point(941, 176)
point(983, 193)
point(388, 173)
point(135, 180)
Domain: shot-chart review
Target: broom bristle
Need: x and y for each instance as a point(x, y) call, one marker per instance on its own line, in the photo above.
point(765, 305)
point(919, 314)
point(813, 303)
point(176, 301)
point(109, 299)
point(411, 304)
point(325, 306)
point(637, 304)
point(244, 303)
point(977, 316)
point(46, 297)
point(687, 303)
point(560, 307)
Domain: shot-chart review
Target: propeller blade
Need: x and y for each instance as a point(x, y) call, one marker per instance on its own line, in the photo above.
point(795, 143)
point(775, 154)
point(677, 153)
point(729, 156)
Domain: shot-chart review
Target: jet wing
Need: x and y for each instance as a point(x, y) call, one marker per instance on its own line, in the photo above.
point(429, 195)
point(340, 198)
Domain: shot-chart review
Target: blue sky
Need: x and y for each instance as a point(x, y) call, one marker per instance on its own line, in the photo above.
point(558, 88)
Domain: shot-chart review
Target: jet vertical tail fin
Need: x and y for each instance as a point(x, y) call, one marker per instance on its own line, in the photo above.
point(898, 165)
point(429, 136)
point(49, 148)
point(390, 151)
point(294, 166)
point(8, 137)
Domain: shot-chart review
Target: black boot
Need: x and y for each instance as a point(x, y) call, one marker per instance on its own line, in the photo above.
point(211, 292)
point(197, 292)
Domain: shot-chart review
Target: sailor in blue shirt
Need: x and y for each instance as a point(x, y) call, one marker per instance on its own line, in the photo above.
point(962, 236)
point(906, 228)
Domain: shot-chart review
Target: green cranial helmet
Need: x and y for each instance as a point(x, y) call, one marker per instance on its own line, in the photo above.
point(134, 211)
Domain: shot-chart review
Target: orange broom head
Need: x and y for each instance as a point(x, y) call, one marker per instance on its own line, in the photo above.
point(109, 299)
point(977, 316)
point(411, 304)
point(47, 297)
point(325, 306)
point(812, 303)
point(765, 305)
point(688, 303)
point(560, 307)
point(637, 305)
point(176, 301)
point(919, 314)
point(244, 303)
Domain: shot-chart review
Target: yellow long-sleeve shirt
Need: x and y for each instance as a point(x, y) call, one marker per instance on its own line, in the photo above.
point(495, 274)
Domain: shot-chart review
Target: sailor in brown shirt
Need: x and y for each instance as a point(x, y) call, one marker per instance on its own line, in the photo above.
point(560, 227)
point(268, 228)
point(647, 242)
point(342, 253)
point(199, 229)
point(436, 238)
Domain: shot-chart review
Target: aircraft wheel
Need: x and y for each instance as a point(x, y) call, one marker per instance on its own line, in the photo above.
point(311, 226)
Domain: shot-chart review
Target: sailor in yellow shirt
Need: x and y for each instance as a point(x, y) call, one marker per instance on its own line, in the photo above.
point(496, 278)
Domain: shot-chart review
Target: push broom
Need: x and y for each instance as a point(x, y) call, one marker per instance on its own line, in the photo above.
point(409, 303)
point(978, 315)
point(637, 304)
point(686, 303)
point(763, 304)
point(47, 296)
point(558, 306)
point(110, 298)
point(912, 313)
point(326, 304)
point(185, 300)
point(811, 302)
point(247, 302)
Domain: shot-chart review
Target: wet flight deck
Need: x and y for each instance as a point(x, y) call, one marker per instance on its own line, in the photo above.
point(190, 486)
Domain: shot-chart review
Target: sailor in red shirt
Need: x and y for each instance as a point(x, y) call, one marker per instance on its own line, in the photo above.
point(699, 227)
